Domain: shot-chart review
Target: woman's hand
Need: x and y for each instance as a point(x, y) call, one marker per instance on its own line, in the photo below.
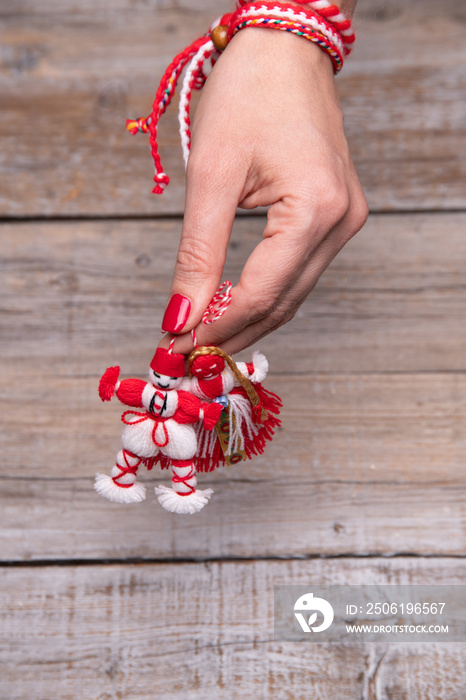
point(268, 131)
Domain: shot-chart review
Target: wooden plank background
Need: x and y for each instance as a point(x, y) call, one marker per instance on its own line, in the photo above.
point(65, 95)
point(365, 481)
point(204, 630)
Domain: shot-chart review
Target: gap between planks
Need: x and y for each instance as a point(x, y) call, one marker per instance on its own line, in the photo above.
point(174, 216)
point(141, 561)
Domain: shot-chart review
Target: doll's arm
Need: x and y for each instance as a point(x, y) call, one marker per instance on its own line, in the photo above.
point(256, 370)
point(130, 392)
point(191, 410)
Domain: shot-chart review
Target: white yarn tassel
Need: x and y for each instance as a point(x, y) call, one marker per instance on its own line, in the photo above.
point(105, 486)
point(206, 441)
point(241, 422)
point(183, 496)
point(172, 501)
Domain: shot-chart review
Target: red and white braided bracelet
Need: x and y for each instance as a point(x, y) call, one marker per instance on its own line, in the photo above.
point(331, 13)
point(305, 23)
point(318, 21)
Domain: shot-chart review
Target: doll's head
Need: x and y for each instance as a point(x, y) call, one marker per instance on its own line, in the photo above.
point(167, 369)
point(207, 366)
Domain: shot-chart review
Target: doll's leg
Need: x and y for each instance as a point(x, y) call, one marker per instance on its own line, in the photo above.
point(182, 497)
point(121, 486)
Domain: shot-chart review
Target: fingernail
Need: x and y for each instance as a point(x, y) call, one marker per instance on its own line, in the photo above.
point(176, 314)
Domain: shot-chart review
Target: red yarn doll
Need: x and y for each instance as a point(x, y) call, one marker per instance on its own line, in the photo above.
point(162, 433)
point(249, 415)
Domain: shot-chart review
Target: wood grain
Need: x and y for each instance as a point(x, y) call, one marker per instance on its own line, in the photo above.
point(79, 297)
point(370, 457)
point(204, 632)
point(49, 519)
point(65, 96)
point(375, 428)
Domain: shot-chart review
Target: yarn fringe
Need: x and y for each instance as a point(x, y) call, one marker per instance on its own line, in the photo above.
point(190, 504)
point(105, 486)
point(255, 436)
point(108, 382)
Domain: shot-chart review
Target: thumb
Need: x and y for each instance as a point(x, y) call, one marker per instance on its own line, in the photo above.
point(209, 214)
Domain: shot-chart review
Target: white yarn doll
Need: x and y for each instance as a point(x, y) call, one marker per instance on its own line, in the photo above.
point(162, 433)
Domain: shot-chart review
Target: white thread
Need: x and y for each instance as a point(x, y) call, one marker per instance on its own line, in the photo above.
point(240, 421)
point(321, 5)
point(207, 439)
point(218, 304)
point(185, 95)
point(306, 21)
point(317, 5)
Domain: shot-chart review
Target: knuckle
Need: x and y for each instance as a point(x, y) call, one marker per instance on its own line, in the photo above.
point(262, 310)
point(359, 212)
point(357, 217)
point(278, 317)
point(334, 202)
point(289, 316)
point(326, 202)
point(194, 257)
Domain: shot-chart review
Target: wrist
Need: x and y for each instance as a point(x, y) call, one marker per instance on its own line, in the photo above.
point(280, 51)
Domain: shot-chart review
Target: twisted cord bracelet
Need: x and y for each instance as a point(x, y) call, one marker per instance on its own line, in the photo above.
point(330, 12)
point(319, 21)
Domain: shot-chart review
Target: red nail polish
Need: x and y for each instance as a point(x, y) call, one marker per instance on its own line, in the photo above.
point(176, 314)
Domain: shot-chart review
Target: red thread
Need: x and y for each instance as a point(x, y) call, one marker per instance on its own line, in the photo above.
point(177, 479)
point(148, 416)
point(218, 304)
point(244, 18)
point(126, 470)
point(162, 99)
point(333, 30)
point(165, 433)
point(216, 308)
point(144, 417)
point(329, 12)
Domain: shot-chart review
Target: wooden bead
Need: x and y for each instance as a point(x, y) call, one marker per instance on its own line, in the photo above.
point(219, 36)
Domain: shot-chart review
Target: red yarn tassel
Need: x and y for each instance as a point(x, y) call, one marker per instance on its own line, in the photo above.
point(108, 382)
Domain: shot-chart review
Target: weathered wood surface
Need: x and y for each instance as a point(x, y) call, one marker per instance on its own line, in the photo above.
point(81, 296)
point(370, 457)
point(65, 94)
point(45, 520)
point(370, 428)
point(205, 632)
